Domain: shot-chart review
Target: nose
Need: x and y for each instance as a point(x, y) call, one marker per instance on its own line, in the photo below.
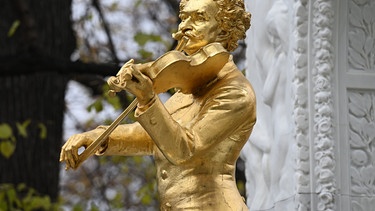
point(185, 25)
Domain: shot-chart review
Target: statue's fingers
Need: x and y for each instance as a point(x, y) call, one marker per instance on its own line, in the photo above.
point(74, 153)
point(63, 158)
point(70, 160)
point(62, 155)
point(138, 75)
point(129, 63)
point(62, 152)
point(127, 74)
point(144, 80)
point(125, 66)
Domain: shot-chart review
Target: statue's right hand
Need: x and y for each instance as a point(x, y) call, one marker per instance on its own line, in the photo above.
point(69, 152)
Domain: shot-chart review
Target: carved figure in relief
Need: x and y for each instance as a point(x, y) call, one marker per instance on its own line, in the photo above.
point(197, 135)
point(276, 94)
point(270, 143)
point(258, 148)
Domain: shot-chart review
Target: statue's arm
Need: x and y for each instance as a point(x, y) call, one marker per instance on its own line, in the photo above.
point(128, 139)
point(223, 113)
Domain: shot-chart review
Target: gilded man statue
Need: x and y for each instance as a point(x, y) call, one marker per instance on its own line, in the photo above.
point(195, 137)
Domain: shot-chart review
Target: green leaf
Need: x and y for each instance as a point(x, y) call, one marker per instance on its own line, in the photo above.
point(138, 3)
point(97, 105)
point(14, 28)
point(40, 202)
point(5, 131)
point(3, 204)
point(77, 207)
point(12, 197)
point(145, 54)
point(114, 101)
point(114, 6)
point(146, 199)
point(94, 207)
point(138, 159)
point(21, 187)
point(7, 148)
point(22, 128)
point(43, 131)
point(142, 38)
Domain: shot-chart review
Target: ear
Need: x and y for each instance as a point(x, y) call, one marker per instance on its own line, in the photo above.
point(222, 37)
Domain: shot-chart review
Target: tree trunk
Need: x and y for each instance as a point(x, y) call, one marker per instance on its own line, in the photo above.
point(39, 98)
point(34, 89)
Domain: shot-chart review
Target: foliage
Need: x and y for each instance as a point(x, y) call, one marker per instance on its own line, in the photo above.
point(97, 105)
point(112, 183)
point(139, 29)
point(8, 139)
point(23, 198)
point(14, 28)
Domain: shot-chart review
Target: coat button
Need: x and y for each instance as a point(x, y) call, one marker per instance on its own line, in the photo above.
point(153, 121)
point(164, 174)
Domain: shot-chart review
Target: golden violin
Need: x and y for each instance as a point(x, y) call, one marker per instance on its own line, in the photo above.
point(174, 69)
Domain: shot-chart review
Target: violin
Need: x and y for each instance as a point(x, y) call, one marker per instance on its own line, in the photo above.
point(174, 69)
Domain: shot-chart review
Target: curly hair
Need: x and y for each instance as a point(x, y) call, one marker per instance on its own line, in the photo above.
point(233, 20)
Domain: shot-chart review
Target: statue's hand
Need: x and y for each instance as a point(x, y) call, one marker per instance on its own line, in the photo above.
point(131, 79)
point(117, 83)
point(139, 85)
point(69, 152)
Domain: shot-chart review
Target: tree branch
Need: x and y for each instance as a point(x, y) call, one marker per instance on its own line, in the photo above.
point(96, 5)
point(25, 64)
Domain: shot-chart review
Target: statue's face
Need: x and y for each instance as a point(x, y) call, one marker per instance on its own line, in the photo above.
point(199, 24)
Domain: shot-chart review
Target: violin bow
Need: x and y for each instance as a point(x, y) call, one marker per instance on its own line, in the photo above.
point(93, 147)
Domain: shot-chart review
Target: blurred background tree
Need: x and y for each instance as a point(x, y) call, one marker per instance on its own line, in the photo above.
point(36, 44)
point(54, 61)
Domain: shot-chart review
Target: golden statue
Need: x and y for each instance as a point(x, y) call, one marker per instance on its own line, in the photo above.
point(197, 136)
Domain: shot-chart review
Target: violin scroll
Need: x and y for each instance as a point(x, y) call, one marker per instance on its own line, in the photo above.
point(118, 83)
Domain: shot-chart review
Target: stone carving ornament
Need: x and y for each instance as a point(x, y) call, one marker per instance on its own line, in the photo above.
point(361, 107)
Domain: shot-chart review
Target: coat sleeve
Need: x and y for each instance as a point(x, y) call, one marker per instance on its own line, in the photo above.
point(129, 140)
point(226, 109)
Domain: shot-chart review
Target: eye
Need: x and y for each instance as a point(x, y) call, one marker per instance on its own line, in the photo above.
point(183, 17)
point(200, 17)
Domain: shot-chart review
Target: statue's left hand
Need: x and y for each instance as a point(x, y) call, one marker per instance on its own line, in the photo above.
point(132, 80)
point(69, 152)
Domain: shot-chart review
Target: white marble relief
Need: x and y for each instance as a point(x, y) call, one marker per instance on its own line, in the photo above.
point(361, 104)
point(330, 60)
point(300, 104)
point(322, 73)
point(362, 148)
point(271, 161)
point(361, 35)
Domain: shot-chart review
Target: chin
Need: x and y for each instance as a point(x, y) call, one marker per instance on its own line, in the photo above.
point(191, 48)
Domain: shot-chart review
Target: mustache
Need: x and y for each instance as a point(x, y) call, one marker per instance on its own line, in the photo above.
point(189, 33)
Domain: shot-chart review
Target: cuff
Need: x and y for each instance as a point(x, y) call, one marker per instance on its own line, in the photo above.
point(103, 147)
point(142, 108)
